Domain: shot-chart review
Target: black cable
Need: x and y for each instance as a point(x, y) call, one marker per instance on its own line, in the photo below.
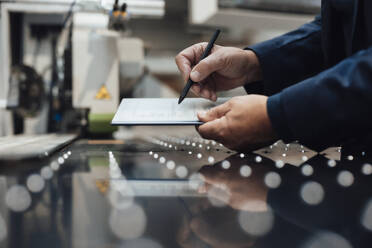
point(69, 13)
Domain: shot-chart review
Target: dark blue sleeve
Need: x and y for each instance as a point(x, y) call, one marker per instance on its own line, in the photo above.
point(329, 108)
point(289, 59)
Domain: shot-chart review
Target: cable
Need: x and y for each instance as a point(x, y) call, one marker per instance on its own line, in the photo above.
point(69, 13)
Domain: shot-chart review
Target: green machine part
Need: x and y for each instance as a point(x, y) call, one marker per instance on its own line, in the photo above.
point(101, 123)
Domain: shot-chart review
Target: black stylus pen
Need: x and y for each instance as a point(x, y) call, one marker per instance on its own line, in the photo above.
point(205, 54)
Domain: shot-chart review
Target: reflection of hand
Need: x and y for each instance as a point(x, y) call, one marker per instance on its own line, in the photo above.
point(224, 69)
point(241, 123)
point(214, 227)
point(241, 193)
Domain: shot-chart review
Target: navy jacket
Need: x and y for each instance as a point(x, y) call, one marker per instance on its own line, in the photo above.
point(319, 77)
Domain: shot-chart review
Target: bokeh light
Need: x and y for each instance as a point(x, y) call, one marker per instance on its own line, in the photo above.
point(256, 223)
point(17, 198)
point(245, 171)
point(367, 169)
point(181, 171)
point(332, 163)
point(258, 159)
point(226, 164)
point(210, 159)
point(279, 164)
point(128, 223)
point(327, 239)
point(312, 193)
point(272, 180)
point(35, 183)
point(171, 165)
point(196, 180)
point(46, 172)
point(307, 170)
point(345, 178)
point(366, 218)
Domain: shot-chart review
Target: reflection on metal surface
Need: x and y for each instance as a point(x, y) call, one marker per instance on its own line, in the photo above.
point(366, 218)
point(312, 193)
point(307, 170)
point(3, 229)
point(218, 195)
point(128, 223)
point(256, 223)
point(345, 178)
point(181, 171)
point(129, 199)
point(367, 169)
point(272, 180)
point(245, 171)
point(142, 242)
point(35, 183)
point(327, 239)
point(17, 198)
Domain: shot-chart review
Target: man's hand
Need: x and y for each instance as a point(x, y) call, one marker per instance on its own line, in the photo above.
point(224, 69)
point(242, 123)
point(241, 193)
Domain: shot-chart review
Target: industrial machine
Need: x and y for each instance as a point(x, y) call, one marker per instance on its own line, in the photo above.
point(75, 49)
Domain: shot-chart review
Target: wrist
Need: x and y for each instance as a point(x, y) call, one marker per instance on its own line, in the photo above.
point(253, 67)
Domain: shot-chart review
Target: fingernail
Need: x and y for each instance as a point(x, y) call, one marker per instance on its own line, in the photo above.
point(202, 113)
point(195, 75)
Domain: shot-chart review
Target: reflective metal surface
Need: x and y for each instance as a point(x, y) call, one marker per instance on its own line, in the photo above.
point(182, 191)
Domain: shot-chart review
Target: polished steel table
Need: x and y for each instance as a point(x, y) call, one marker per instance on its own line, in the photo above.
point(182, 191)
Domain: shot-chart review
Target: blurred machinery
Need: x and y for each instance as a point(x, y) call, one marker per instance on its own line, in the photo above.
point(71, 81)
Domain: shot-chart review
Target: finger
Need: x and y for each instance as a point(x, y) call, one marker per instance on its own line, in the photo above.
point(188, 57)
point(205, 92)
point(208, 90)
point(196, 89)
point(207, 66)
point(214, 113)
point(211, 130)
point(184, 66)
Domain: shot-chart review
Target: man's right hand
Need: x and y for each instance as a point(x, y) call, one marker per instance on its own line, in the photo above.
point(224, 69)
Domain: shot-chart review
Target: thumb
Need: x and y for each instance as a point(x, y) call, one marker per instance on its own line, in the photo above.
point(206, 67)
point(214, 113)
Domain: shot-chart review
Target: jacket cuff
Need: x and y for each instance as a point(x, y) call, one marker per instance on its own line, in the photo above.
point(269, 67)
point(278, 118)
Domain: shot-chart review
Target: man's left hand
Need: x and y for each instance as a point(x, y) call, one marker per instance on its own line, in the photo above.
point(242, 123)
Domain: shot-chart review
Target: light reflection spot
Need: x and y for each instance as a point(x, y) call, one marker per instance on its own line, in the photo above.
point(345, 178)
point(307, 170)
point(312, 193)
point(35, 183)
point(181, 171)
point(226, 164)
point(272, 180)
point(245, 171)
point(17, 198)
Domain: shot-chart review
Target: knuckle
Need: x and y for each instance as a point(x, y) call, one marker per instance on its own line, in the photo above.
point(220, 61)
point(221, 133)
